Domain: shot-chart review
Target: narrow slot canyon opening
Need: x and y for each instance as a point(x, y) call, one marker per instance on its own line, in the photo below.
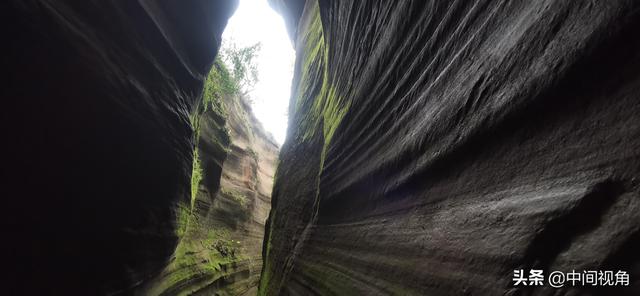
point(239, 126)
point(433, 147)
point(255, 22)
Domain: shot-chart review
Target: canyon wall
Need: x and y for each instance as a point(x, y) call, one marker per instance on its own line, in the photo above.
point(97, 150)
point(221, 232)
point(436, 146)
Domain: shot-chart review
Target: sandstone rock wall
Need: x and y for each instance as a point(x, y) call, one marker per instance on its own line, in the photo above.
point(97, 144)
point(220, 249)
point(436, 146)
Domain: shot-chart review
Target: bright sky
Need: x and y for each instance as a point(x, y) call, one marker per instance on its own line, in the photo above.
point(255, 21)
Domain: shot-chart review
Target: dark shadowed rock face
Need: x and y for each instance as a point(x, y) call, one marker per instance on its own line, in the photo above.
point(98, 144)
point(436, 146)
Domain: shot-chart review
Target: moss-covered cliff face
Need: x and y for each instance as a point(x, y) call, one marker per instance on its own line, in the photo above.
point(97, 140)
point(222, 228)
point(436, 146)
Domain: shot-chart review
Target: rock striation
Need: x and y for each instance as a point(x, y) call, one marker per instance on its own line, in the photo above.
point(221, 232)
point(436, 146)
point(97, 149)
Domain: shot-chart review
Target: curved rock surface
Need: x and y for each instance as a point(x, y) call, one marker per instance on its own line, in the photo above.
point(436, 146)
point(97, 148)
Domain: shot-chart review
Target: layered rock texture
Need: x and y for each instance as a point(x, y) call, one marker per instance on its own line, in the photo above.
point(221, 232)
point(436, 146)
point(97, 150)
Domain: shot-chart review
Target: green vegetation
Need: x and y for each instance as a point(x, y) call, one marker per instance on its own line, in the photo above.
point(221, 241)
point(205, 253)
point(210, 255)
point(243, 67)
point(220, 83)
point(322, 108)
point(235, 196)
point(327, 109)
point(182, 217)
point(265, 276)
point(196, 176)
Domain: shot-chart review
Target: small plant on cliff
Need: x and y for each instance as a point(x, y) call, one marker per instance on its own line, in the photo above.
point(221, 241)
point(182, 220)
point(234, 71)
point(242, 61)
point(218, 84)
point(235, 196)
point(196, 176)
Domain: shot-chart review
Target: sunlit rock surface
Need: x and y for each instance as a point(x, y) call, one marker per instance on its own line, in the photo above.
point(221, 240)
point(97, 144)
point(436, 146)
